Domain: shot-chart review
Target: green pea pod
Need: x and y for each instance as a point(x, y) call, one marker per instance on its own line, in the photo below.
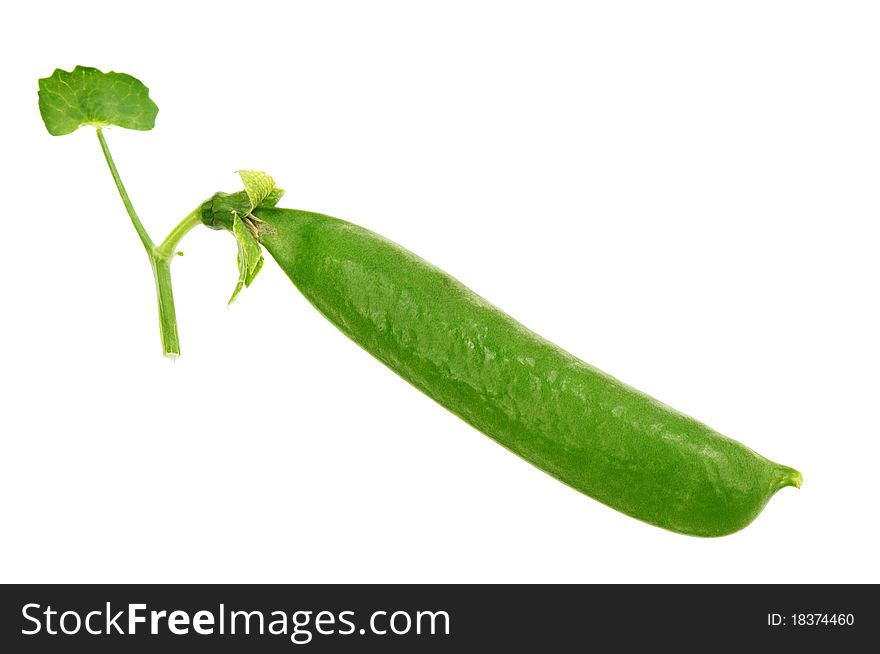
point(569, 419)
point(564, 416)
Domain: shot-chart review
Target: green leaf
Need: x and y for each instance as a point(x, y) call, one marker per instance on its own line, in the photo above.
point(258, 185)
point(250, 256)
point(273, 197)
point(86, 96)
point(260, 188)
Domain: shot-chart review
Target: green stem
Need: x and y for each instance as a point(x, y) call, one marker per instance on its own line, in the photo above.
point(160, 258)
point(138, 227)
point(167, 314)
point(167, 248)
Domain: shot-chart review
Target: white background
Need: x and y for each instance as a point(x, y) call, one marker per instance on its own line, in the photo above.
point(684, 194)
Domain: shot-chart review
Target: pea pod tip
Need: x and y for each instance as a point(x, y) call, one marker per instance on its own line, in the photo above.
point(789, 477)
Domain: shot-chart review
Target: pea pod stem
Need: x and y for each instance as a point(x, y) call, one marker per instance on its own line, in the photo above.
point(167, 248)
point(160, 257)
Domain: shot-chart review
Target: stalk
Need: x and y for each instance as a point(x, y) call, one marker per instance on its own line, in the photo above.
point(167, 314)
point(160, 257)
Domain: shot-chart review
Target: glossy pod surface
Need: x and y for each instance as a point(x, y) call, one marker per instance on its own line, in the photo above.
point(575, 422)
